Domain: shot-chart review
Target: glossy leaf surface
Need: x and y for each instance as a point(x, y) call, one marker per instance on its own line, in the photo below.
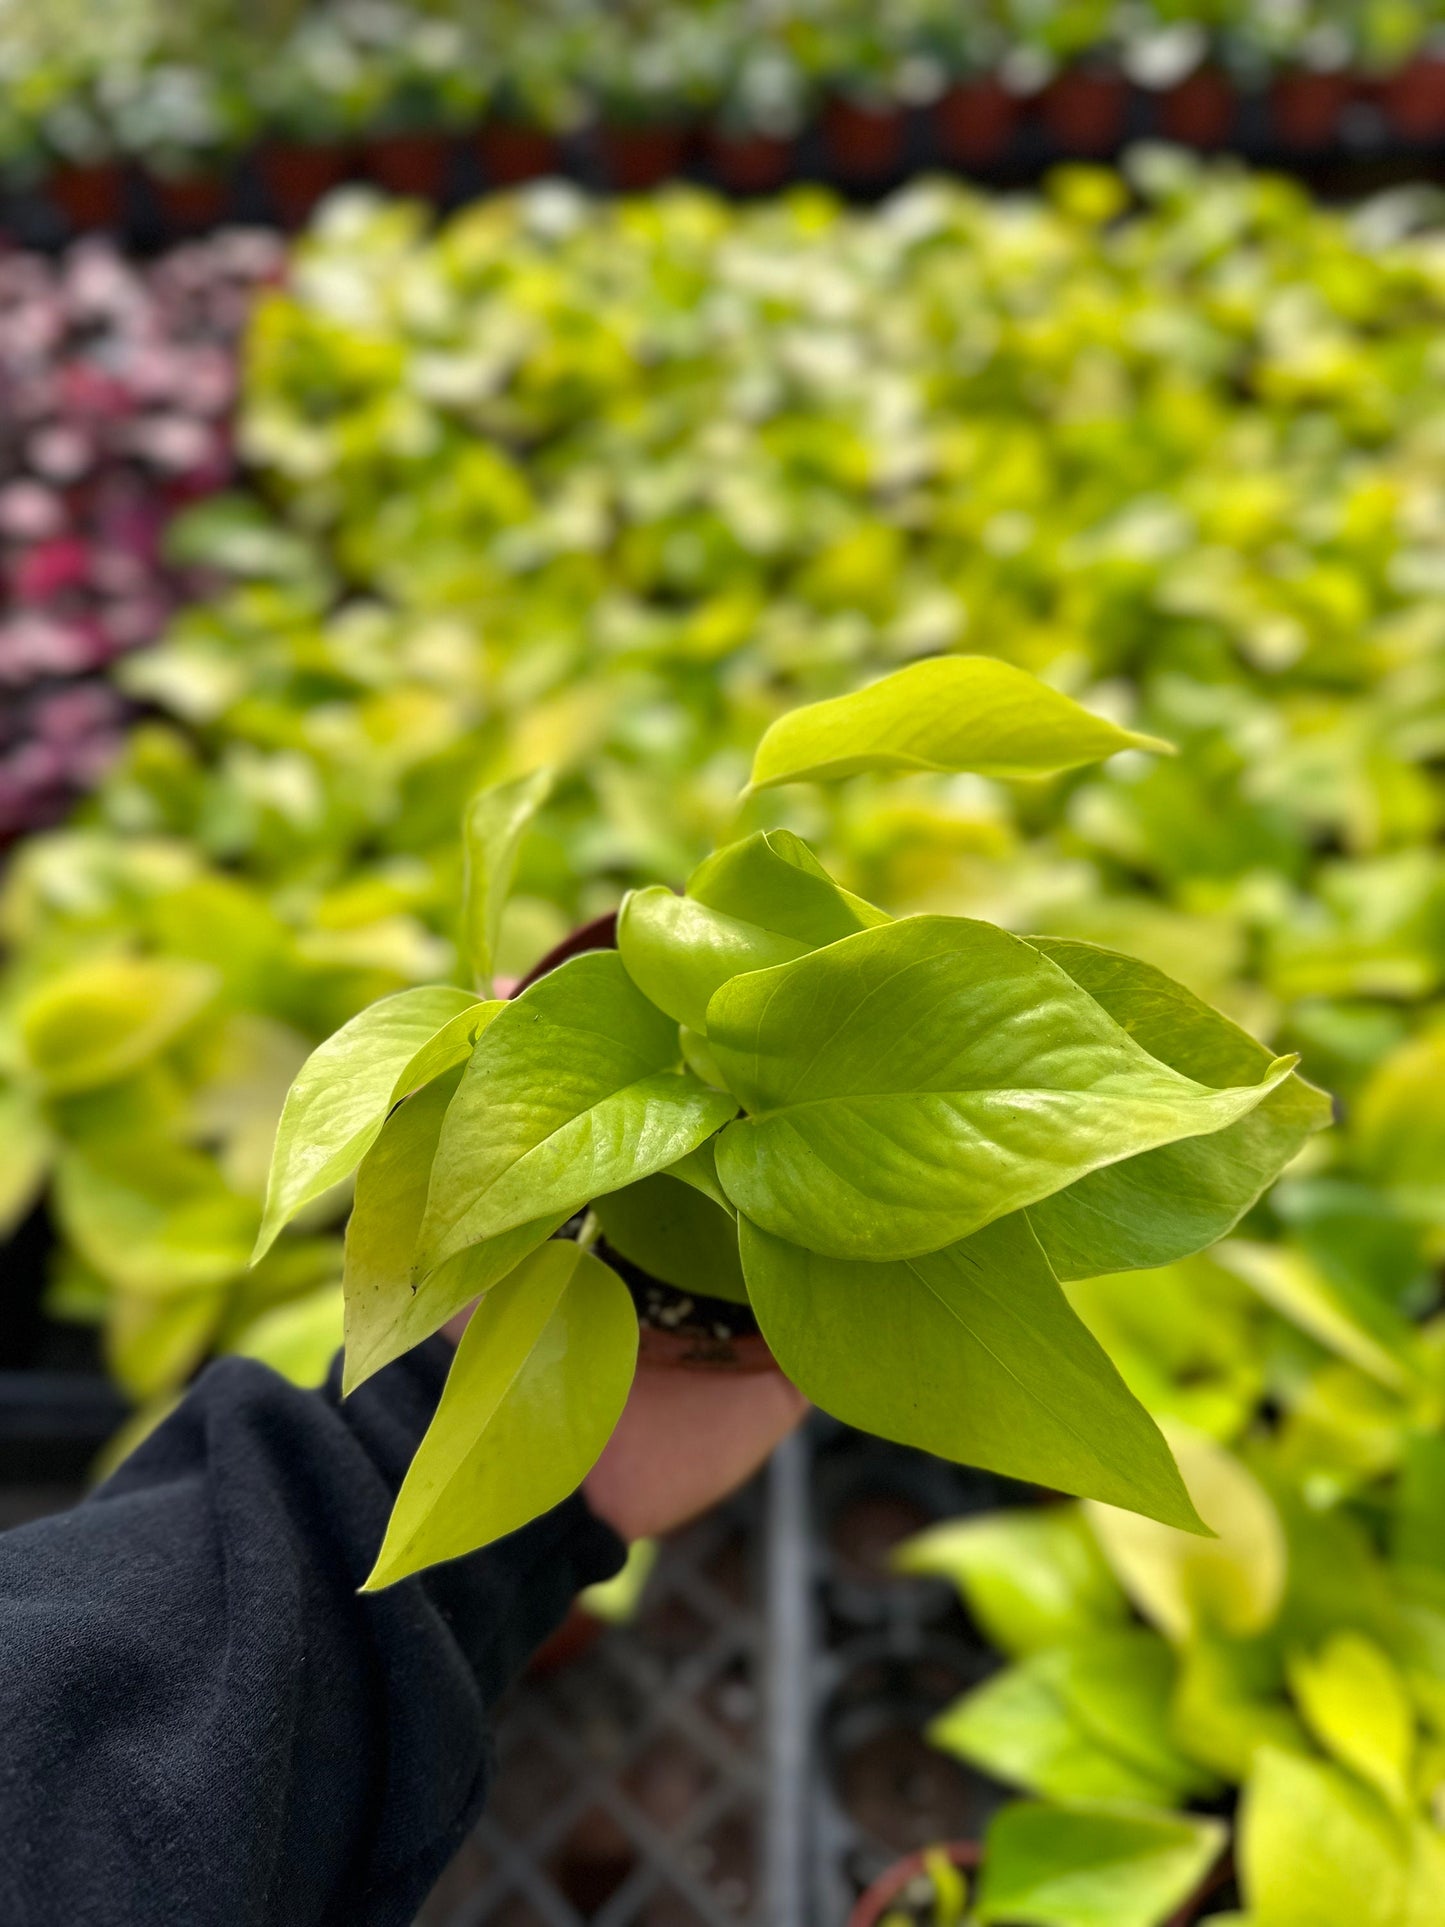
point(493, 826)
point(571, 1093)
point(338, 1103)
point(1173, 1201)
point(389, 1308)
point(1087, 1865)
point(1030, 1577)
point(972, 1353)
point(948, 713)
point(912, 1083)
point(534, 1393)
point(759, 902)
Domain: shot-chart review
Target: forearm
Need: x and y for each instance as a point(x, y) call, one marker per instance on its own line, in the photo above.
point(205, 1721)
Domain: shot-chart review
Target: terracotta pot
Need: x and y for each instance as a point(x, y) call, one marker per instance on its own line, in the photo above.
point(512, 154)
point(871, 1906)
point(414, 164)
point(1414, 99)
point(297, 174)
point(692, 1352)
point(749, 163)
point(862, 143)
point(634, 158)
point(1085, 109)
point(974, 122)
point(600, 934)
point(190, 202)
point(1200, 111)
point(89, 197)
point(1305, 108)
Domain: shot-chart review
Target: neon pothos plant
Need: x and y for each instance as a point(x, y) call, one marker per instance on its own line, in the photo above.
point(891, 1138)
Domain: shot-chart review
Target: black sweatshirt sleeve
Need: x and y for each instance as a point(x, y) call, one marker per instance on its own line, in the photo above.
point(203, 1724)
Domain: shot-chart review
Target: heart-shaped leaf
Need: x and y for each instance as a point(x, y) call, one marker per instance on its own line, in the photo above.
point(1231, 1583)
point(388, 1307)
point(1318, 1849)
point(756, 903)
point(1084, 1864)
point(1030, 1578)
point(972, 1353)
point(948, 713)
point(1085, 1721)
point(339, 1101)
point(1355, 1703)
point(571, 1093)
point(1171, 1202)
point(495, 821)
point(99, 1021)
point(911, 1083)
point(534, 1393)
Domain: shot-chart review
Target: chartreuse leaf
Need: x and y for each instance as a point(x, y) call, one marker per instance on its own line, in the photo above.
point(949, 713)
point(299, 1339)
point(572, 1092)
point(101, 1020)
point(1230, 1702)
point(534, 1393)
point(1030, 1578)
point(971, 1352)
point(388, 1308)
point(1171, 1202)
point(699, 1169)
point(1355, 1704)
point(1319, 1849)
point(495, 821)
point(1351, 1322)
point(25, 1152)
point(671, 1231)
point(335, 1109)
point(911, 1083)
point(1090, 1865)
point(1232, 1583)
point(152, 1216)
point(1084, 1721)
point(759, 902)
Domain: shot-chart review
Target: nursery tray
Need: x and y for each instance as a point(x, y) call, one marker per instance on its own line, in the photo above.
point(749, 1752)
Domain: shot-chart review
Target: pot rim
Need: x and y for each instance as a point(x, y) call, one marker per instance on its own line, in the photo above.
point(869, 1907)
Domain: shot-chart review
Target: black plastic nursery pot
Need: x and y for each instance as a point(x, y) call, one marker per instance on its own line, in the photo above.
point(57, 1407)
